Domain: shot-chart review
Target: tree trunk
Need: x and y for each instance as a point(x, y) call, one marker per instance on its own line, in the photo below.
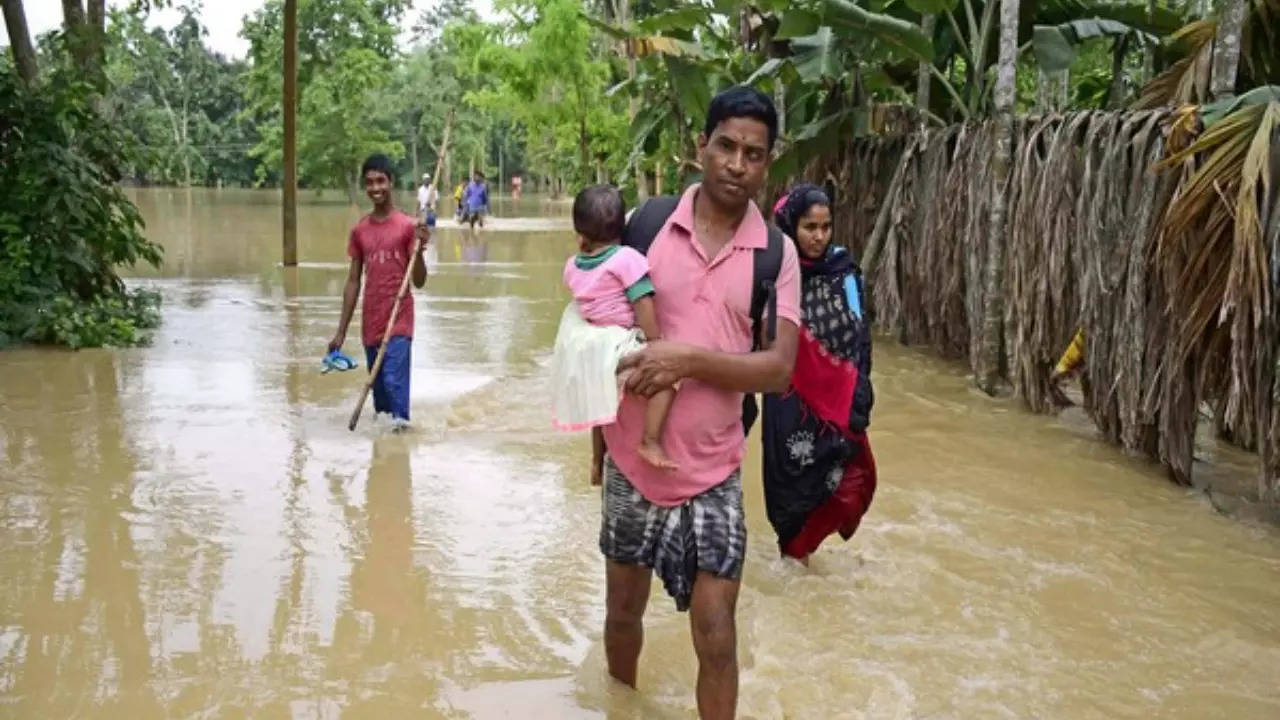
point(1052, 91)
point(1149, 52)
point(96, 30)
point(978, 69)
point(1226, 48)
point(623, 19)
point(924, 78)
point(185, 143)
point(993, 307)
point(74, 22)
point(657, 177)
point(1115, 95)
point(584, 140)
point(413, 153)
point(289, 216)
point(442, 156)
point(24, 55)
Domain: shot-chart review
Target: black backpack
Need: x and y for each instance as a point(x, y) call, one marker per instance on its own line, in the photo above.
point(642, 228)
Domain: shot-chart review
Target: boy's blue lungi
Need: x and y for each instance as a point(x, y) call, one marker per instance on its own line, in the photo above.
point(391, 387)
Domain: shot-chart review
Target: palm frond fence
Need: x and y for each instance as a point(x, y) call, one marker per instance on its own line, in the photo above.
point(1159, 238)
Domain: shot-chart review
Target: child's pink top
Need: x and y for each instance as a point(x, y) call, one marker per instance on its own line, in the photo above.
point(604, 285)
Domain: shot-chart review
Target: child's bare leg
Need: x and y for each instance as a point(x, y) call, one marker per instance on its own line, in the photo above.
point(597, 456)
point(655, 418)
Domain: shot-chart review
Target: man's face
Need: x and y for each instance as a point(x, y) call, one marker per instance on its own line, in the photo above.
point(377, 186)
point(735, 160)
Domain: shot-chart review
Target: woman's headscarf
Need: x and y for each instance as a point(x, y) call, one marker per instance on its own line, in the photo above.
point(792, 206)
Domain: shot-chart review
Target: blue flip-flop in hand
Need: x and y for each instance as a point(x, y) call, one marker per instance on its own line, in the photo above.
point(338, 360)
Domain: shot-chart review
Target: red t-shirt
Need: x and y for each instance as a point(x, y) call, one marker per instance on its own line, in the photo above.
point(385, 247)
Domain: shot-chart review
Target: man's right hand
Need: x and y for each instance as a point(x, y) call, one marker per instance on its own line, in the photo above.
point(336, 342)
point(657, 367)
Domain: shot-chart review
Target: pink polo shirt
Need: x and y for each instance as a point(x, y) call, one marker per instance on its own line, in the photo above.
point(705, 302)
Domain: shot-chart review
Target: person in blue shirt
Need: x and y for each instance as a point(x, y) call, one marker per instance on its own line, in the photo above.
point(475, 201)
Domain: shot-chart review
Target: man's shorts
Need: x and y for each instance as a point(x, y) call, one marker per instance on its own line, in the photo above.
point(391, 387)
point(708, 533)
point(429, 217)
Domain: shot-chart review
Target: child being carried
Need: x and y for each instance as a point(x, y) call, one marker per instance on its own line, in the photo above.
point(612, 315)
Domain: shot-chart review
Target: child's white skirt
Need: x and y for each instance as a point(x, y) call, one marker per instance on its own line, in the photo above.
point(584, 370)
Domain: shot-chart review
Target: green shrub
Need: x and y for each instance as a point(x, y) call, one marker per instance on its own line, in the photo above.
point(65, 224)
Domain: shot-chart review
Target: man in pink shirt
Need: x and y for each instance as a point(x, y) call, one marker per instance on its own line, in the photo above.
point(687, 525)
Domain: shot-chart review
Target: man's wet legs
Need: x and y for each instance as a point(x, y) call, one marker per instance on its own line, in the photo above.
point(626, 595)
point(715, 640)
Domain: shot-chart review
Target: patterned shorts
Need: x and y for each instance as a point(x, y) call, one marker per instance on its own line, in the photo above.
point(708, 533)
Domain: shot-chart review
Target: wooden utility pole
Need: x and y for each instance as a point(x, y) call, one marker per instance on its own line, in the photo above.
point(24, 55)
point(289, 215)
point(989, 365)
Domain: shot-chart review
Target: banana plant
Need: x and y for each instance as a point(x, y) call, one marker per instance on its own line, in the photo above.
point(816, 57)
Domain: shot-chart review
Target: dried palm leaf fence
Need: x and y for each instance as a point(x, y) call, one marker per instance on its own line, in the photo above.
point(1160, 239)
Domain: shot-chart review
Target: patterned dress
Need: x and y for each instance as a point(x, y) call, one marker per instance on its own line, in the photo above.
point(819, 473)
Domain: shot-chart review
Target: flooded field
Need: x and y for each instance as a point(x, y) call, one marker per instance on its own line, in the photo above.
point(191, 531)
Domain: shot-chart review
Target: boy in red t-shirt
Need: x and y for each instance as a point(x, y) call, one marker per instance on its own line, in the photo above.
point(380, 246)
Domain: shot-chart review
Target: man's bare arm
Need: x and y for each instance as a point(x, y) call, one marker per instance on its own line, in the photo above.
point(661, 364)
point(350, 294)
point(420, 263)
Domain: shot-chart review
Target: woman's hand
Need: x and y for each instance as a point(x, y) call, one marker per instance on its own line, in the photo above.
point(657, 367)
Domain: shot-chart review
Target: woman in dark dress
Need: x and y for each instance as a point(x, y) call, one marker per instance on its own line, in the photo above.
point(819, 473)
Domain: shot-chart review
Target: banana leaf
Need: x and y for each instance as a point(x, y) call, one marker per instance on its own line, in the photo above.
point(1055, 46)
point(891, 31)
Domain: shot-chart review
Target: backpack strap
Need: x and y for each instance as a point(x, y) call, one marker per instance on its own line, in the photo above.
point(764, 292)
point(647, 220)
point(767, 263)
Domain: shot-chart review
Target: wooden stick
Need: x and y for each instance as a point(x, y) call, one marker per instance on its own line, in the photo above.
point(386, 334)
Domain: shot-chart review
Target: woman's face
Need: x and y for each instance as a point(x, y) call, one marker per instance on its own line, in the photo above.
point(813, 232)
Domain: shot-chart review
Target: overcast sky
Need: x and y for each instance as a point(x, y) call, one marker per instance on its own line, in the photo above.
point(223, 22)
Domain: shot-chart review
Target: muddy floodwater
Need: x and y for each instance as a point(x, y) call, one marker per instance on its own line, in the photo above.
point(190, 531)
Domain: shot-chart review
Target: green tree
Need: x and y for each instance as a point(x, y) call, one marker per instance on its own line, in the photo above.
point(180, 99)
point(65, 225)
point(553, 76)
point(342, 45)
point(343, 119)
